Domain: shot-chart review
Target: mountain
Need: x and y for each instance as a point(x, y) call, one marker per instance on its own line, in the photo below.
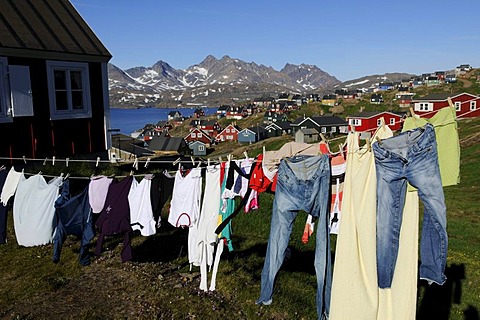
point(211, 82)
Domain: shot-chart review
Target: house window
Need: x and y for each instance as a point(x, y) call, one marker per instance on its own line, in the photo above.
point(355, 122)
point(229, 137)
point(424, 106)
point(379, 122)
point(4, 101)
point(458, 106)
point(473, 105)
point(227, 130)
point(68, 90)
point(334, 129)
point(392, 121)
point(201, 148)
point(323, 129)
point(199, 135)
point(193, 135)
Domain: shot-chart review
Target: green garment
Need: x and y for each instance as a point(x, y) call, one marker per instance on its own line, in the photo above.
point(448, 144)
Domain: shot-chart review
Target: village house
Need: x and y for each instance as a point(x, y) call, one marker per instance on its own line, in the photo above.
point(385, 86)
point(263, 102)
point(230, 133)
point(313, 97)
point(127, 148)
point(174, 116)
point(222, 111)
point(367, 122)
point(466, 105)
point(450, 78)
point(376, 98)
point(272, 116)
point(168, 145)
point(462, 69)
point(211, 127)
point(53, 82)
point(252, 134)
point(279, 128)
point(405, 101)
point(197, 134)
point(198, 113)
point(198, 148)
point(308, 135)
point(329, 99)
point(237, 112)
point(327, 124)
point(432, 81)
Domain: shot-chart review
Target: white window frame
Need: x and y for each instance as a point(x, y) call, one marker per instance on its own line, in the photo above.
point(392, 121)
point(473, 105)
point(199, 135)
point(201, 148)
point(227, 130)
point(5, 109)
point(333, 129)
point(71, 113)
point(379, 122)
point(423, 106)
point(193, 135)
point(355, 122)
point(323, 129)
point(458, 105)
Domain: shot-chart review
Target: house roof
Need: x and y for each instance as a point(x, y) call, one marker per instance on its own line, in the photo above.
point(256, 129)
point(50, 29)
point(174, 113)
point(308, 131)
point(371, 114)
point(166, 143)
point(441, 96)
point(283, 124)
point(130, 145)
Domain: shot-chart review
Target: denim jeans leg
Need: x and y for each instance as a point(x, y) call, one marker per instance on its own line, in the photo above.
point(425, 176)
point(280, 230)
point(323, 259)
point(391, 193)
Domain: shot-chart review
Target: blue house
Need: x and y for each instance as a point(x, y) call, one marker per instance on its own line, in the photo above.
point(198, 148)
point(252, 134)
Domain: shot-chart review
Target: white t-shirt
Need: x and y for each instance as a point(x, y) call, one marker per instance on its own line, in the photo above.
point(141, 213)
point(97, 192)
point(34, 209)
point(185, 203)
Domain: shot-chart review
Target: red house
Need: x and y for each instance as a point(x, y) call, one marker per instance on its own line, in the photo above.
point(197, 134)
point(230, 133)
point(369, 121)
point(467, 105)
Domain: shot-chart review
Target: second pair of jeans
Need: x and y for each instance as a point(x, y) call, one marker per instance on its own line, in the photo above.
point(411, 156)
point(302, 184)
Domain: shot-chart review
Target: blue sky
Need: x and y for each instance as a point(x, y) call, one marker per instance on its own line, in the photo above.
point(347, 39)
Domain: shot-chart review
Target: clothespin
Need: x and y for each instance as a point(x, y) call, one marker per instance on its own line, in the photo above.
point(2, 167)
point(193, 161)
point(340, 149)
point(229, 157)
point(323, 138)
point(53, 160)
point(450, 103)
point(220, 160)
point(66, 161)
point(39, 172)
point(245, 154)
point(135, 163)
point(98, 160)
point(199, 163)
point(131, 172)
point(369, 144)
point(208, 162)
point(176, 161)
point(378, 139)
point(24, 160)
point(146, 163)
point(66, 176)
point(45, 161)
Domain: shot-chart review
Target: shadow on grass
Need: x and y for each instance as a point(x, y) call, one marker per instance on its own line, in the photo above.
point(435, 301)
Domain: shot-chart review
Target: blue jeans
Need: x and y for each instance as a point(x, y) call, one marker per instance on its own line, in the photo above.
point(411, 156)
point(302, 184)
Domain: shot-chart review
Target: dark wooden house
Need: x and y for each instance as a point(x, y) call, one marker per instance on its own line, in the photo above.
point(53, 82)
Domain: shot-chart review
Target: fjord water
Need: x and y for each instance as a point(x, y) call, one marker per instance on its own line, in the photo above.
point(130, 120)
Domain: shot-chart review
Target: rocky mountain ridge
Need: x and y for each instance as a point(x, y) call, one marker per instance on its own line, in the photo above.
point(218, 81)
